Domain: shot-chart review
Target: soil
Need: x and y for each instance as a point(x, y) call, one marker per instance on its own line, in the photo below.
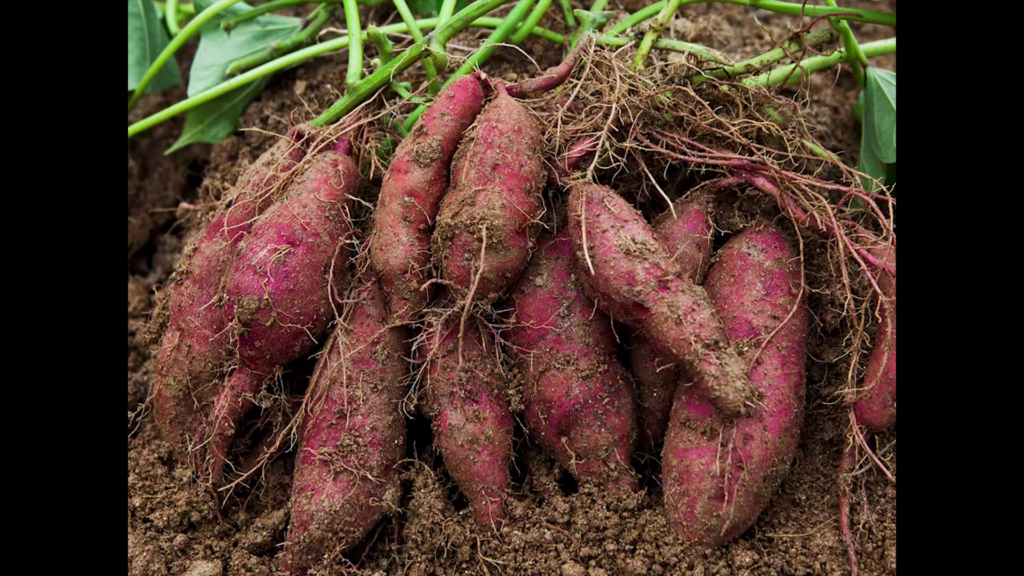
point(174, 526)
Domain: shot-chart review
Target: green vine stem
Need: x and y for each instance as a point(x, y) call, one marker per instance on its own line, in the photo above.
point(705, 53)
point(302, 55)
point(813, 11)
point(531, 21)
point(637, 17)
point(794, 73)
point(364, 89)
point(417, 36)
point(380, 40)
point(819, 151)
point(481, 56)
point(428, 23)
point(493, 22)
point(183, 10)
point(320, 16)
point(354, 73)
point(275, 5)
point(187, 32)
point(385, 51)
point(500, 33)
point(790, 8)
point(171, 17)
point(590, 23)
point(856, 57)
point(229, 24)
point(570, 20)
point(812, 39)
point(438, 47)
point(654, 32)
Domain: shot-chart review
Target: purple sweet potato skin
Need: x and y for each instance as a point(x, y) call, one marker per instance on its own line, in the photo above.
point(411, 193)
point(718, 473)
point(876, 408)
point(580, 403)
point(636, 281)
point(347, 464)
point(280, 288)
point(688, 236)
point(194, 348)
point(470, 414)
point(656, 381)
point(497, 177)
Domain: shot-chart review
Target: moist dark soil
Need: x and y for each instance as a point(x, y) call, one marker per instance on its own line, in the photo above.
point(174, 526)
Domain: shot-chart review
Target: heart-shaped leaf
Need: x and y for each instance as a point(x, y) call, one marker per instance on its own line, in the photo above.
point(880, 113)
point(217, 119)
point(218, 49)
point(146, 39)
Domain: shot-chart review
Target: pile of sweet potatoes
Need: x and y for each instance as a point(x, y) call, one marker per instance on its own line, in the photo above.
point(254, 292)
point(455, 261)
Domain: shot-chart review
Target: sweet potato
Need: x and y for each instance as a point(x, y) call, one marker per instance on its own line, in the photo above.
point(719, 473)
point(634, 279)
point(280, 287)
point(497, 177)
point(688, 236)
point(580, 403)
point(876, 408)
point(470, 414)
point(411, 193)
point(194, 350)
point(552, 78)
point(346, 468)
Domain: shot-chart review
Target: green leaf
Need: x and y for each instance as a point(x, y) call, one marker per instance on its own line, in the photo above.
point(869, 164)
point(146, 39)
point(217, 119)
point(429, 8)
point(858, 107)
point(880, 113)
point(218, 49)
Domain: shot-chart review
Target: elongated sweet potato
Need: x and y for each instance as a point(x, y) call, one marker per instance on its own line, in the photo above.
point(497, 178)
point(580, 403)
point(552, 78)
point(720, 473)
point(346, 468)
point(280, 288)
point(194, 350)
point(634, 279)
point(876, 408)
point(470, 414)
point(411, 193)
point(688, 236)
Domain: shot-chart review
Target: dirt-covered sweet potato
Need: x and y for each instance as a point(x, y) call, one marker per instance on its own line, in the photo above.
point(347, 463)
point(194, 350)
point(280, 288)
point(493, 202)
point(470, 414)
point(686, 231)
point(411, 193)
point(634, 279)
point(580, 403)
point(719, 473)
point(876, 408)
